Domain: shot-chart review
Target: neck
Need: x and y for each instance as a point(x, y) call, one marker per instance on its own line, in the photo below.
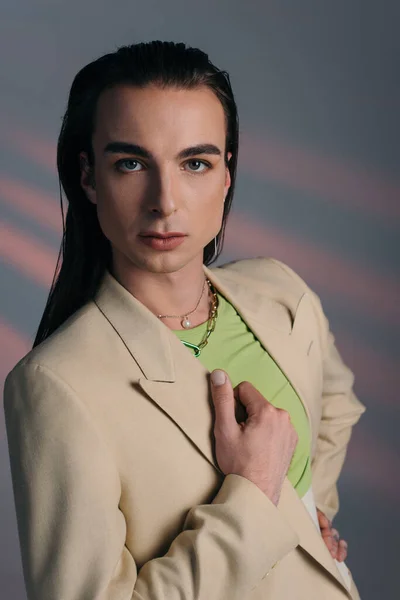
point(174, 293)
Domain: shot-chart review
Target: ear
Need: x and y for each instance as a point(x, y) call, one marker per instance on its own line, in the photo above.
point(227, 176)
point(87, 178)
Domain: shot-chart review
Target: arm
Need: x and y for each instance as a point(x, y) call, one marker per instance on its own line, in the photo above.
point(340, 412)
point(72, 532)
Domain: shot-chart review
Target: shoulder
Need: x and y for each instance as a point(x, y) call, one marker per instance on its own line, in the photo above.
point(65, 347)
point(267, 270)
point(280, 281)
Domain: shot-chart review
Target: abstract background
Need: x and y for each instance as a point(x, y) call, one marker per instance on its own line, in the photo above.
point(318, 90)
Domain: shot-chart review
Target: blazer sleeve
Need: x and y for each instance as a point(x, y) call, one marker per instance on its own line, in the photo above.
point(340, 411)
point(72, 532)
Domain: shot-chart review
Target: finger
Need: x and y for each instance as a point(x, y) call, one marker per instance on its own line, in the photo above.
point(223, 399)
point(335, 540)
point(323, 520)
point(326, 533)
point(328, 540)
point(342, 551)
point(252, 400)
point(326, 530)
point(240, 411)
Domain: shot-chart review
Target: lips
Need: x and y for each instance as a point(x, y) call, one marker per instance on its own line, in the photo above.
point(162, 235)
point(162, 243)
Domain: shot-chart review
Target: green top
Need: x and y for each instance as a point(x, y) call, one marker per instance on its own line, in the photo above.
point(233, 347)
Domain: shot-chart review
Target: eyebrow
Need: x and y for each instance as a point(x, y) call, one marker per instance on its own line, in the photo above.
point(127, 148)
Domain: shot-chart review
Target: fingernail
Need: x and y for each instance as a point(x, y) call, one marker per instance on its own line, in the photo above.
point(218, 377)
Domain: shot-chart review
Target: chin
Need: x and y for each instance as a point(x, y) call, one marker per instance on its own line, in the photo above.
point(166, 262)
point(157, 264)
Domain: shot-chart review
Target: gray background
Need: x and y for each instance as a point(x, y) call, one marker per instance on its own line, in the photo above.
point(318, 90)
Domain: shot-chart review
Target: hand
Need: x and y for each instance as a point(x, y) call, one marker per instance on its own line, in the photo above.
point(336, 546)
point(253, 439)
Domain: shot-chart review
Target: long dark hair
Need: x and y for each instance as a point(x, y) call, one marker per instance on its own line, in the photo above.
point(85, 251)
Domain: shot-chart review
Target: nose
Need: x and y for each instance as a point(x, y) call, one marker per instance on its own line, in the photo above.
point(163, 199)
point(163, 207)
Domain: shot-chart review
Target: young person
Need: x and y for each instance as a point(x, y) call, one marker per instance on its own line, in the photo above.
point(135, 476)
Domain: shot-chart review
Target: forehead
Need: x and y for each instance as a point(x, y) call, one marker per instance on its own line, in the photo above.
point(153, 114)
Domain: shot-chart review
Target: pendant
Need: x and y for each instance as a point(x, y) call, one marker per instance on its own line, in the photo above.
point(196, 349)
point(186, 323)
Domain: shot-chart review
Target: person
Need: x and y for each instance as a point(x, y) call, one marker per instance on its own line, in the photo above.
point(137, 474)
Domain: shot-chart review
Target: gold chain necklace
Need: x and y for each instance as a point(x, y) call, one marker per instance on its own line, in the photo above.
point(210, 323)
point(213, 314)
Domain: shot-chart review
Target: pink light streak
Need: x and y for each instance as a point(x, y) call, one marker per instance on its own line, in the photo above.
point(327, 178)
point(270, 157)
point(372, 294)
point(38, 205)
point(31, 257)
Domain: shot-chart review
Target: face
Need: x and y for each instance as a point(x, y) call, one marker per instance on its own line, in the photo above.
point(144, 180)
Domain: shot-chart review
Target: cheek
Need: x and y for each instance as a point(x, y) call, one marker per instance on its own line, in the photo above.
point(209, 214)
point(116, 210)
point(115, 197)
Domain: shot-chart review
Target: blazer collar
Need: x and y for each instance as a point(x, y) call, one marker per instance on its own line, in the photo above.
point(279, 328)
point(179, 383)
point(149, 340)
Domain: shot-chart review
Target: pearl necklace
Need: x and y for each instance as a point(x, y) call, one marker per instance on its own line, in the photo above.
point(186, 323)
point(213, 314)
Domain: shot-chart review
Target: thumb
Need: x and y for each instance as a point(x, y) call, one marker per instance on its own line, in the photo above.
point(224, 401)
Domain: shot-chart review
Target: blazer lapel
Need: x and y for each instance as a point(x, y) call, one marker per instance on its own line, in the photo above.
point(187, 400)
point(275, 326)
point(287, 330)
point(179, 384)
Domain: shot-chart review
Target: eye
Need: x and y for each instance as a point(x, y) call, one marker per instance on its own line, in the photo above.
point(200, 162)
point(126, 165)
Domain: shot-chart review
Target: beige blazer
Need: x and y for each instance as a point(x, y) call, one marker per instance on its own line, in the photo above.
point(110, 430)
